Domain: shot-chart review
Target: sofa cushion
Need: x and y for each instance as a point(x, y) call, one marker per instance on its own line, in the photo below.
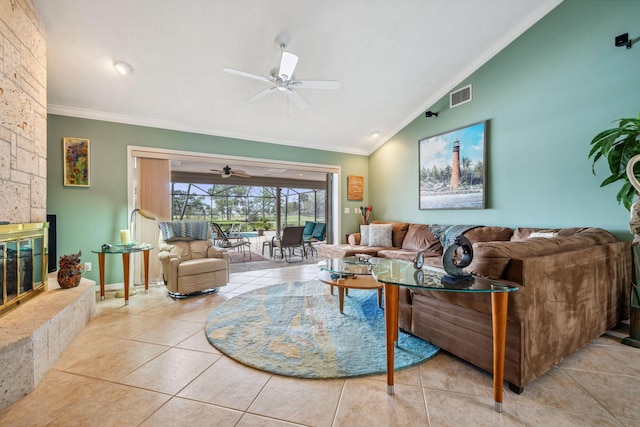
point(341, 251)
point(488, 234)
point(521, 233)
point(364, 235)
point(201, 266)
point(420, 238)
point(407, 255)
point(380, 235)
point(491, 258)
point(319, 231)
point(308, 229)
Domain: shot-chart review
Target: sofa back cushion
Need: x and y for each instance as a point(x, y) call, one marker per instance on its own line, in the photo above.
point(188, 250)
point(420, 238)
point(491, 258)
point(522, 233)
point(488, 234)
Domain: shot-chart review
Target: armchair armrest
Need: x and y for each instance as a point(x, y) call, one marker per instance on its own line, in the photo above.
point(213, 252)
point(169, 261)
point(354, 239)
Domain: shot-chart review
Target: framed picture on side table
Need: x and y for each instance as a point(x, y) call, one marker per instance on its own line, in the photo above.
point(76, 159)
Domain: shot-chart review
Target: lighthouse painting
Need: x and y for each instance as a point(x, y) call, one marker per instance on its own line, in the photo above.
point(452, 169)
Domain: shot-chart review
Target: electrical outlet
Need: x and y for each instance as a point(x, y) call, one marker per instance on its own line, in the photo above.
point(87, 266)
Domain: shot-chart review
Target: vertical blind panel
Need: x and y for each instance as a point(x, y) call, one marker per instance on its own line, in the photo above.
point(153, 194)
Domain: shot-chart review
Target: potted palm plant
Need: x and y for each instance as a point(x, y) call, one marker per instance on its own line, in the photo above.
point(261, 225)
point(620, 147)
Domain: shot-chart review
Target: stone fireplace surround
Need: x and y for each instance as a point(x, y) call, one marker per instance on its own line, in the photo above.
point(33, 337)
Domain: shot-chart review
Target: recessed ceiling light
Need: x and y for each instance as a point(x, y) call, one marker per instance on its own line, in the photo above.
point(375, 134)
point(123, 67)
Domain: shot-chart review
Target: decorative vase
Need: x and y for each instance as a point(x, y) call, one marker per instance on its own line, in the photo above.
point(70, 271)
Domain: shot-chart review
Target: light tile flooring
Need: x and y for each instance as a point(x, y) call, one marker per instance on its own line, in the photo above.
point(150, 364)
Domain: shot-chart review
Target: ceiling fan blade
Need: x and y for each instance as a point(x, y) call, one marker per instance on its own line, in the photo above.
point(317, 84)
point(245, 74)
point(287, 65)
point(241, 174)
point(297, 99)
point(261, 94)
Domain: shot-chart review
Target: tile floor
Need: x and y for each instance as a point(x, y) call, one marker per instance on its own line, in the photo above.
point(149, 364)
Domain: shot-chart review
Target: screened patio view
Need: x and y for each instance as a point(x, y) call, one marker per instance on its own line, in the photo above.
point(248, 208)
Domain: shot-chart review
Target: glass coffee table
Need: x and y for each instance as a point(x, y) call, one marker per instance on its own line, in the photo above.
point(396, 273)
point(349, 273)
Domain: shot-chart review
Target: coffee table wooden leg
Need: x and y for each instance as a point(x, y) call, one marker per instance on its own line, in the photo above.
point(379, 297)
point(101, 268)
point(391, 323)
point(341, 298)
point(499, 301)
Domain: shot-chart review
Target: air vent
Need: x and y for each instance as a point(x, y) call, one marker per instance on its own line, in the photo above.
point(460, 96)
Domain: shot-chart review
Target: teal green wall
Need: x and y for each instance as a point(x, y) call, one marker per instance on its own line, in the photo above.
point(546, 96)
point(89, 217)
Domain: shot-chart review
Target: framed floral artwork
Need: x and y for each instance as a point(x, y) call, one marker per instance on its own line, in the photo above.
point(452, 169)
point(76, 159)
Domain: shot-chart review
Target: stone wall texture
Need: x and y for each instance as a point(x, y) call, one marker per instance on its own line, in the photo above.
point(23, 113)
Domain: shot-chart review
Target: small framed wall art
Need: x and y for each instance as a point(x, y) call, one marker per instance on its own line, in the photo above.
point(76, 159)
point(355, 186)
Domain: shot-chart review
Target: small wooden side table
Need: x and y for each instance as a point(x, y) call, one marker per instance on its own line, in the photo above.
point(124, 251)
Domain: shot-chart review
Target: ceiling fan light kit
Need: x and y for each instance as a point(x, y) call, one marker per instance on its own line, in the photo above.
point(283, 79)
point(226, 172)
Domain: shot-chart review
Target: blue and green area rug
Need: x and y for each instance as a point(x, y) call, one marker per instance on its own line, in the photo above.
point(296, 330)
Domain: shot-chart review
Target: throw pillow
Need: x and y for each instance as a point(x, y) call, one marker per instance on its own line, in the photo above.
point(364, 235)
point(380, 235)
point(542, 234)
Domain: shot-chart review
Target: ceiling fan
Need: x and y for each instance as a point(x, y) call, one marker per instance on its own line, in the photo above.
point(283, 78)
point(226, 172)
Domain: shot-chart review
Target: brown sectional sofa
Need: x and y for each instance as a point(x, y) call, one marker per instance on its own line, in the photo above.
point(573, 286)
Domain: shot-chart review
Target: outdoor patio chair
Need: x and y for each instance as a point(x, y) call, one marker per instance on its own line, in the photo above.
point(230, 241)
point(287, 244)
point(314, 232)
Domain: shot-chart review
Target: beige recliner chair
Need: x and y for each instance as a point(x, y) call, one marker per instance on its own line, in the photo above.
point(191, 265)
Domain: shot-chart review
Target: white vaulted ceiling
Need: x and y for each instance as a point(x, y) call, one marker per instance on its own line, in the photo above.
point(393, 59)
